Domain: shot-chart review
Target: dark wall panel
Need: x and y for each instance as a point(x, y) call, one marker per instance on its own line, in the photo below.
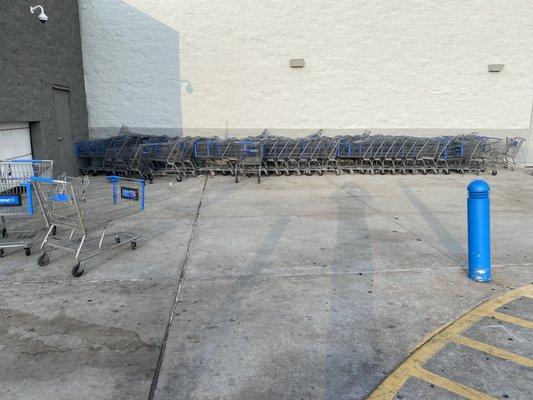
point(33, 59)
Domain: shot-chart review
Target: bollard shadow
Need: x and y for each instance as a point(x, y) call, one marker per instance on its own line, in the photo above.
point(452, 247)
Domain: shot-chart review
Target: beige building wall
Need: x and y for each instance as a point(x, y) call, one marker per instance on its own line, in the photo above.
point(204, 67)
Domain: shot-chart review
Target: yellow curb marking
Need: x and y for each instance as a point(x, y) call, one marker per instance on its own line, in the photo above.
point(493, 351)
point(512, 320)
point(452, 332)
point(458, 388)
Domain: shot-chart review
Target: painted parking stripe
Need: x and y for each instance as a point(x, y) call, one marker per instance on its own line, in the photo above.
point(412, 367)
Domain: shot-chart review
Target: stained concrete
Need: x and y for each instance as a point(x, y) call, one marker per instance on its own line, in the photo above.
point(300, 287)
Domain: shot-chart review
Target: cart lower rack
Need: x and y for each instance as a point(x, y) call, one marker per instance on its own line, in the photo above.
point(21, 223)
point(81, 210)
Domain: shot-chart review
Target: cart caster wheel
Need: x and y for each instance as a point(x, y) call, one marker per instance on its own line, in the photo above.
point(4, 232)
point(371, 172)
point(54, 231)
point(278, 173)
point(133, 245)
point(479, 173)
point(179, 178)
point(382, 172)
point(287, 173)
point(308, 172)
point(43, 260)
point(76, 271)
point(236, 178)
point(27, 251)
point(393, 172)
point(117, 240)
point(414, 172)
point(352, 172)
point(446, 172)
point(2, 253)
point(212, 173)
point(403, 171)
point(494, 173)
point(298, 173)
point(320, 173)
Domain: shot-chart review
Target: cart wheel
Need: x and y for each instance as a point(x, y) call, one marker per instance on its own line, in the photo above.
point(236, 178)
point(494, 173)
point(54, 231)
point(382, 172)
point(278, 173)
point(414, 172)
point(298, 173)
point(2, 253)
point(4, 232)
point(446, 172)
point(76, 271)
point(479, 173)
point(43, 260)
point(287, 173)
point(133, 245)
point(27, 251)
point(151, 179)
point(179, 178)
point(393, 172)
point(212, 173)
point(352, 172)
point(320, 172)
point(117, 240)
point(371, 172)
point(402, 171)
point(424, 172)
point(337, 172)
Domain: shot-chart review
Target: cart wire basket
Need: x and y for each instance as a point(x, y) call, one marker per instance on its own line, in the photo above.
point(21, 223)
point(80, 210)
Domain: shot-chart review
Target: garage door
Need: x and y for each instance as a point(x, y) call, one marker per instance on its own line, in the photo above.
point(15, 142)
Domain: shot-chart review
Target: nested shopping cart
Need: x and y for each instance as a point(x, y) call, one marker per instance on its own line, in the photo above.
point(81, 210)
point(249, 158)
point(21, 223)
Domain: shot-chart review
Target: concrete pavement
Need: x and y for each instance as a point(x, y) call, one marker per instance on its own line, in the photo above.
point(297, 288)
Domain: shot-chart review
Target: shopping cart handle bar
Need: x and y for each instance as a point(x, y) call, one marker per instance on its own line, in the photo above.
point(41, 179)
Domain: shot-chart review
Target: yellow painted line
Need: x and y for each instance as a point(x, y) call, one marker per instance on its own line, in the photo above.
point(524, 323)
point(451, 386)
point(493, 350)
point(393, 383)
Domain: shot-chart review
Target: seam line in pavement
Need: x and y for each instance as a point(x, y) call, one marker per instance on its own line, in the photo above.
point(273, 275)
point(155, 379)
point(452, 333)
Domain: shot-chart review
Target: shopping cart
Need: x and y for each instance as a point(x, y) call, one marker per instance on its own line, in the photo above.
point(80, 207)
point(249, 159)
point(20, 221)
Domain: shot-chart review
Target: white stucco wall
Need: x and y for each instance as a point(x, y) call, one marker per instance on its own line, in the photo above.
point(208, 66)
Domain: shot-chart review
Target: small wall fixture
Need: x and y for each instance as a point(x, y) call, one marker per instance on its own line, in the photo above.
point(42, 16)
point(496, 67)
point(297, 63)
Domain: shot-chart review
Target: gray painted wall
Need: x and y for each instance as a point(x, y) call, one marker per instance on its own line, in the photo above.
point(33, 59)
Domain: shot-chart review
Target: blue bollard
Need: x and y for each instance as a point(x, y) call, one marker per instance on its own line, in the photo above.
point(479, 231)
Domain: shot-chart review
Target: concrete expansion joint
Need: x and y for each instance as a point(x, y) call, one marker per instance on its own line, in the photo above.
point(161, 356)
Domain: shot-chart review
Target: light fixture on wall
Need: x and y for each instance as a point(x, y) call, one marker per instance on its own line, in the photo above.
point(42, 16)
point(297, 63)
point(496, 67)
